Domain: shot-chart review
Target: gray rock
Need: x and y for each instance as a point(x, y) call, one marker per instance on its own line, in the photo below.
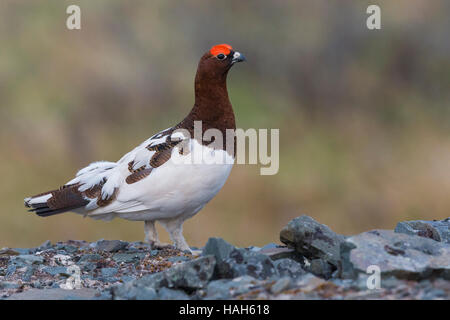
point(88, 266)
point(128, 291)
point(54, 271)
point(146, 294)
point(8, 285)
point(309, 282)
point(242, 262)
point(5, 252)
point(138, 246)
point(396, 254)
point(55, 294)
point(26, 259)
point(37, 284)
point(233, 262)
point(193, 274)
point(178, 259)
point(171, 294)
point(25, 250)
point(29, 271)
point(65, 248)
point(438, 230)
point(10, 270)
point(155, 281)
point(228, 288)
point(270, 246)
point(129, 257)
point(55, 285)
point(321, 268)
point(109, 272)
point(111, 245)
point(126, 278)
point(289, 268)
point(312, 239)
point(86, 258)
point(435, 294)
point(219, 248)
point(280, 285)
point(104, 295)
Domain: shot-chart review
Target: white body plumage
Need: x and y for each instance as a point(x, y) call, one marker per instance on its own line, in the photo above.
point(175, 189)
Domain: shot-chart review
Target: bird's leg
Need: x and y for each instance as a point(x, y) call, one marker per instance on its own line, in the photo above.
point(151, 236)
point(175, 229)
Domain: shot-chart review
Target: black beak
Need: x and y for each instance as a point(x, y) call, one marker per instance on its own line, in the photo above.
point(238, 57)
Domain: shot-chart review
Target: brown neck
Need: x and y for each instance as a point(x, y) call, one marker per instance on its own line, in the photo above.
point(212, 105)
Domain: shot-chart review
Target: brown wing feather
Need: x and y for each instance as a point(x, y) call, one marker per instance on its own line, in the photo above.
point(161, 156)
point(96, 192)
point(138, 175)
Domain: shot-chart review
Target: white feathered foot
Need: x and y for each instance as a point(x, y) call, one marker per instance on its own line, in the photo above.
point(175, 229)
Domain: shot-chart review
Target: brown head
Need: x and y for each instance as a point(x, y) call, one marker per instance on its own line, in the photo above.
point(213, 69)
point(215, 63)
point(212, 105)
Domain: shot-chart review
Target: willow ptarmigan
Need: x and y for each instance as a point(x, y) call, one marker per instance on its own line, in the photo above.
point(147, 184)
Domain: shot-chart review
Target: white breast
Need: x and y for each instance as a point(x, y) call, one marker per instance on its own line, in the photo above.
point(177, 188)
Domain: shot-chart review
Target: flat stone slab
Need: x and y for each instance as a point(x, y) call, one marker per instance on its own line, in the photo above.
point(111, 245)
point(438, 230)
point(396, 254)
point(278, 253)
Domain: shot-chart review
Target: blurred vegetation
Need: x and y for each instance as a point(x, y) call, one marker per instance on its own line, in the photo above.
point(364, 116)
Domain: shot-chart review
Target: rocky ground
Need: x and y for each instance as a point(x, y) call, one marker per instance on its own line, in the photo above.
point(413, 262)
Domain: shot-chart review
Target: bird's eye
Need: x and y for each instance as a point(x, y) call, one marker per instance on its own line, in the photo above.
point(221, 56)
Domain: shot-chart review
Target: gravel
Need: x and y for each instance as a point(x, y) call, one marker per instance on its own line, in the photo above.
point(315, 263)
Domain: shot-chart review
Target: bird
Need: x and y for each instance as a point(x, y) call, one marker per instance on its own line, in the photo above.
point(158, 181)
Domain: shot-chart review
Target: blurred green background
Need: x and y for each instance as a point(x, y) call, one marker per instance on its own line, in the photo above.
point(364, 116)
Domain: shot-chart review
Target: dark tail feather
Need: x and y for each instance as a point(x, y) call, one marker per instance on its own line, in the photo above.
point(67, 198)
point(46, 211)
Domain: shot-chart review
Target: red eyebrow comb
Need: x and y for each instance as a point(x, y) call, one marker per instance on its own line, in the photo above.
point(221, 48)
